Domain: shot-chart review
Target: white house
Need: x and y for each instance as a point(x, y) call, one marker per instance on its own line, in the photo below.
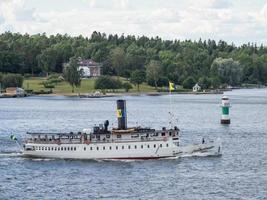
point(196, 88)
point(89, 68)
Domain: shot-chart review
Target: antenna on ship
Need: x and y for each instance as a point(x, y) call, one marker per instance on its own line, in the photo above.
point(171, 88)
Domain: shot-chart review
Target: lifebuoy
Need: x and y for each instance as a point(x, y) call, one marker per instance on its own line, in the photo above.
point(165, 139)
point(87, 142)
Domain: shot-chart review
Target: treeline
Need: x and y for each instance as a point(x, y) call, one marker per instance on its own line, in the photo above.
point(10, 80)
point(183, 62)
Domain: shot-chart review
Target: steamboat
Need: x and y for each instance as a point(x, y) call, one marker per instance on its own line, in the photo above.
point(116, 143)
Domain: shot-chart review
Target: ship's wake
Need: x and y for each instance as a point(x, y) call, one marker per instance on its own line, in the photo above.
point(10, 154)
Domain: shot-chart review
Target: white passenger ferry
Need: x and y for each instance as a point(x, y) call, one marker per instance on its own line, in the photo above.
point(117, 143)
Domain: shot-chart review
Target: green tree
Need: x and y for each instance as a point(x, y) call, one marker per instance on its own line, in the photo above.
point(118, 60)
point(228, 70)
point(204, 82)
point(121, 55)
point(47, 60)
point(12, 80)
point(215, 82)
point(107, 82)
point(71, 73)
point(138, 77)
point(153, 72)
point(127, 86)
point(189, 82)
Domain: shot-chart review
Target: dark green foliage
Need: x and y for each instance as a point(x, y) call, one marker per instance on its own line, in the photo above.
point(12, 80)
point(227, 70)
point(71, 73)
point(153, 72)
point(121, 55)
point(138, 77)
point(107, 82)
point(189, 82)
point(118, 60)
point(48, 84)
point(127, 86)
point(163, 81)
point(204, 82)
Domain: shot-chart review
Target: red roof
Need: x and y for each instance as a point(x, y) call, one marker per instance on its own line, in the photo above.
point(88, 62)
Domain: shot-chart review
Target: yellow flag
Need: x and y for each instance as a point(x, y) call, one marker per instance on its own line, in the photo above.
point(119, 113)
point(171, 86)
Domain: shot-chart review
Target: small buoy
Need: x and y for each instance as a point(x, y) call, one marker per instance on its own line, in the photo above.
point(225, 119)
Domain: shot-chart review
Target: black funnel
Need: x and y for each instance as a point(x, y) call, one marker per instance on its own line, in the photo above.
point(121, 114)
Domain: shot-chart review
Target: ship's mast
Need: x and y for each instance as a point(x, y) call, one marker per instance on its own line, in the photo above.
point(171, 88)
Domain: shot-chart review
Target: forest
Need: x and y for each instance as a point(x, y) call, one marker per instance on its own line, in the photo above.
point(207, 62)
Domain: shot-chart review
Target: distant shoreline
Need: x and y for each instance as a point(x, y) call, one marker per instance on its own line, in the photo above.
point(119, 94)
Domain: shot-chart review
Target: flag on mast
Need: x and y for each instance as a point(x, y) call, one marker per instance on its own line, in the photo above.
point(171, 86)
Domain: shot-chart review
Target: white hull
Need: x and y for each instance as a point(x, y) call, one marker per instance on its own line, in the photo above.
point(127, 150)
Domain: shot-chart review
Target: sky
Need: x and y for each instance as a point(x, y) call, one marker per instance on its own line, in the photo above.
point(237, 21)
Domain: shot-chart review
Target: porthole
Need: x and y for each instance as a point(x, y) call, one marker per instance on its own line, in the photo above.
point(117, 147)
point(160, 145)
point(122, 147)
point(68, 148)
point(110, 148)
point(46, 148)
point(71, 148)
point(155, 146)
point(142, 146)
point(104, 148)
point(167, 145)
point(135, 146)
point(97, 148)
point(129, 147)
point(148, 146)
point(91, 148)
point(84, 148)
point(74, 148)
point(65, 148)
point(61, 148)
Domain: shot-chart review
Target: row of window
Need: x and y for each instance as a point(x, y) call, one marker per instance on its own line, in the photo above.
point(97, 148)
point(124, 147)
point(55, 148)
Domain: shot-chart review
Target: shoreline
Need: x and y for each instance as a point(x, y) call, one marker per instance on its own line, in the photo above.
point(91, 95)
point(119, 94)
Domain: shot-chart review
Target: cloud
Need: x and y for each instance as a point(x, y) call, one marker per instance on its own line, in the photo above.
point(2, 20)
point(214, 19)
point(110, 4)
point(12, 10)
point(220, 4)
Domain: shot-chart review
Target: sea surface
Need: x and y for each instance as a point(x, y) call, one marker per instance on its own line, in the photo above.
point(240, 173)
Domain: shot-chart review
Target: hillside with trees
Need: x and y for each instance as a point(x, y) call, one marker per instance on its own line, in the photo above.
point(207, 62)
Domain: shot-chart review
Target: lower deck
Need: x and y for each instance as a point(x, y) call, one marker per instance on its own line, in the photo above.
point(130, 150)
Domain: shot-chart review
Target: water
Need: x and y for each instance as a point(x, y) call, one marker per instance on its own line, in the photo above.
point(240, 173)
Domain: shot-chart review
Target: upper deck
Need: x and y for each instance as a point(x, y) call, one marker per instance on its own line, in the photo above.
point(135, 134)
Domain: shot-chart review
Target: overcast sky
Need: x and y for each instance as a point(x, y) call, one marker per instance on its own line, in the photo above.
point(238, 21)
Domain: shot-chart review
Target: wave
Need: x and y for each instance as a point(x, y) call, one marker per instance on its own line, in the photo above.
point(10, 154)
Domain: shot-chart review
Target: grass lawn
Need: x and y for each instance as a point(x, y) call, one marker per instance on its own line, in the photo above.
point(87, 85)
